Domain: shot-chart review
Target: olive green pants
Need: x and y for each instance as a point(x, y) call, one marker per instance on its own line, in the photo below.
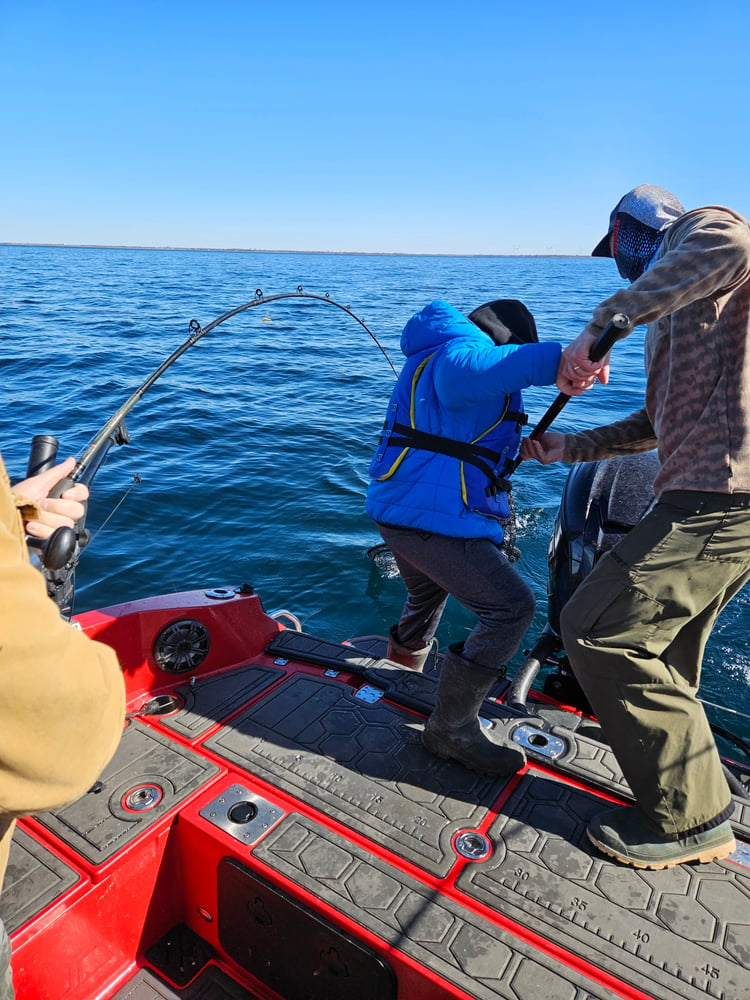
point(635, 631)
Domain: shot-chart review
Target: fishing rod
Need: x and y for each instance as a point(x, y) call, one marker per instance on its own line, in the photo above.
point(619, 326)
point(60, 553)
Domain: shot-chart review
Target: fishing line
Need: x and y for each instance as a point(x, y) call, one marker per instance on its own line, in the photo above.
point(60, 576)
point(724, 708)
point(120, 502)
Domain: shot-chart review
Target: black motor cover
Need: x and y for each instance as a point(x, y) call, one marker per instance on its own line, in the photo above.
point(601, 501)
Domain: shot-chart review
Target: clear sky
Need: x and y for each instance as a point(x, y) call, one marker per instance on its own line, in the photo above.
point(424, 126)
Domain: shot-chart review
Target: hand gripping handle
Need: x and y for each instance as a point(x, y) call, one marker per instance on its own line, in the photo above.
point(617, 327)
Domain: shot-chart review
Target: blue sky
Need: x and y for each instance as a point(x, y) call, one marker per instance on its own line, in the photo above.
point(470, 126)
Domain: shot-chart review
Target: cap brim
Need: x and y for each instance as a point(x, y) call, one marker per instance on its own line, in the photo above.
point(602, 248)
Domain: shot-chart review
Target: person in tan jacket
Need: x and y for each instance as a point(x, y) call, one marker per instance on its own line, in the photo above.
point(62, 696)
point(636, 627)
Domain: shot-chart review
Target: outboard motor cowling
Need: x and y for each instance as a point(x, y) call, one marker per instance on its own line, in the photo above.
point(601, 501)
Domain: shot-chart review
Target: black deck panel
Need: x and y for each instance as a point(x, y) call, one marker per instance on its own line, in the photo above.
point(459, 946)
point(34, 879)
point(361, 763)
point(211, 700)
point(587, 758)
point(211, 984)
point(409, 688)
point(97, 825)
point(259, 924)
point(680, 932)
point(310, 649)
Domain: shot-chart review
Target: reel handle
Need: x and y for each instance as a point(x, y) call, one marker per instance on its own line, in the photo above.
point(56, 551)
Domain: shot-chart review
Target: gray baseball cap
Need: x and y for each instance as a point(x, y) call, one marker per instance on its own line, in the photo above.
point(652, 206)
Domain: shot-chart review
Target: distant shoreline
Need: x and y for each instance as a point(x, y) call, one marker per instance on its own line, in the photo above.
point(344, 253)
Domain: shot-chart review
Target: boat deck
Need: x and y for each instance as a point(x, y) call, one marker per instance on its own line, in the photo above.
point(276, 829)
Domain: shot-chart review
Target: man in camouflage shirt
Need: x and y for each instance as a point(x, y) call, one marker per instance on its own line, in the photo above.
point(635, 629)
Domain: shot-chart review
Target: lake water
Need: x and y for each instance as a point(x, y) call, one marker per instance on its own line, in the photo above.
point(249, 456)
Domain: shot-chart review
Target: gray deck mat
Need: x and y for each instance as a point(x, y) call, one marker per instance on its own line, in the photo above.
point(211, 984)
point(684, 932)
point(459, 946)
point(312, 737)
point(216, 698)
point(362, 763)
point(410, 688)
point(585, 757)
point(98, 825)
point(681, 932)
point(34, 879)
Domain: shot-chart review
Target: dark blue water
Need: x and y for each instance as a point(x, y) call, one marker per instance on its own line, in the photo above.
point(252, 449)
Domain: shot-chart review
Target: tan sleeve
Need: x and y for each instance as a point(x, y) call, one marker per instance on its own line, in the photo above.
point(61, 693)
point(29, 510)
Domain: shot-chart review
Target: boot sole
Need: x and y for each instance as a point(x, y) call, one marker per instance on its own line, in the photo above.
point(715, 853)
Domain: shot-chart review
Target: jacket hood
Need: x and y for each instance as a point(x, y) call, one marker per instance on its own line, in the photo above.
point(435, 325)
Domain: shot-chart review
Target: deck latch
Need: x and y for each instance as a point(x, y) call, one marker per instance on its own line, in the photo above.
point(538, 742)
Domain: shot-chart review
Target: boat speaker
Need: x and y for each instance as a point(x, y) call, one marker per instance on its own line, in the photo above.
point(182, 646)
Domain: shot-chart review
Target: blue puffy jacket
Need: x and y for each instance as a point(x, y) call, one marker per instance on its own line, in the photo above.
point(453, 426)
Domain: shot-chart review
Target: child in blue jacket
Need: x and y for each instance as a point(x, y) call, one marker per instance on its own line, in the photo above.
point(439, 494)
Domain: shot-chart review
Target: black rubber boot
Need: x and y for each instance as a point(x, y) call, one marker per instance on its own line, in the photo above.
point(454, 732)
point(414, 659)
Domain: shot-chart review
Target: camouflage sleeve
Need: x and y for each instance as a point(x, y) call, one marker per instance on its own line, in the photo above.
point(628, 436)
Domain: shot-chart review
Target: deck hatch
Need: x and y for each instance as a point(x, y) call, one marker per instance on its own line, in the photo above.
point(259, 924)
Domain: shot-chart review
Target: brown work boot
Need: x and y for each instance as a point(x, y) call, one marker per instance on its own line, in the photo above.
point(620, 834)
point(414, 659)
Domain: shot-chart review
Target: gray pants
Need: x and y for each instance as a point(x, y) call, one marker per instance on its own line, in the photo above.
point(635, 631)
point(477, 574)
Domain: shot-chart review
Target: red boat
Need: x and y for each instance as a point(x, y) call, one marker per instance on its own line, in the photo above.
point(271, 827)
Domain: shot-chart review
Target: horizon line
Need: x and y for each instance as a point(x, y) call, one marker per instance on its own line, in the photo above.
point(359, 253)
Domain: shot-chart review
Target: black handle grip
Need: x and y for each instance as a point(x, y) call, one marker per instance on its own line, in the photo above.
point(43, 454)
point(617, 327)
point(57, 491)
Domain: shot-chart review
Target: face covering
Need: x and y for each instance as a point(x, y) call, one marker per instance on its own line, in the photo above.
point(633, 245)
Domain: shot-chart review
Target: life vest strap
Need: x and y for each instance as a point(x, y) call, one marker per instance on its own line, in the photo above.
point(475, 454)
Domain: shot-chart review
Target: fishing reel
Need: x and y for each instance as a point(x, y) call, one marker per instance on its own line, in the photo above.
point(56, 551)
point(57, 555)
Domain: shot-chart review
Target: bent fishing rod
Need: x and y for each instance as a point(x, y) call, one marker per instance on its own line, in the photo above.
point(59, 553)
